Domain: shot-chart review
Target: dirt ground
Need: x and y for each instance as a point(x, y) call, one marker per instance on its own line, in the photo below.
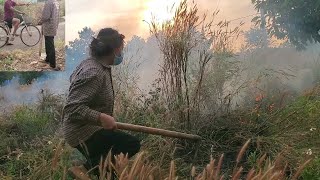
point(21, 60)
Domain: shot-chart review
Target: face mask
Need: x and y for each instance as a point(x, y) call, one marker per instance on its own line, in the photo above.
point(118, 59)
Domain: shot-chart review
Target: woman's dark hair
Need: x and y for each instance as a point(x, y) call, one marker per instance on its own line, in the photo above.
point(107, 40)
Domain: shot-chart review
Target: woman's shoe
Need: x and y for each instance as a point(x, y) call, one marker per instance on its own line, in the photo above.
point(56, 68)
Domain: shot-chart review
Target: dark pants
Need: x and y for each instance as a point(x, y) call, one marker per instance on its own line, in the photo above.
point(102, 141)
point(9, 23)
point(50, 51)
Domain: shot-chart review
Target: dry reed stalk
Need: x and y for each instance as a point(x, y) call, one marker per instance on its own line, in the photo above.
point(142, 172)
point(276, 176)
point(219, 166)
point(297, 174)
point(151, 177)
point(284, 170)
point(269, 170)
point(240, 154)
point(101, 169)
point(124, 173)
point(151, 172)
point(278, 161)
point(203, 175)
point(243, 149)
point(107, 164)
point(64, 173)
point(56, 156)
point(237, 174)
point(210, 168)
point(172, 174)
point(257, 176)
point(261, 159)
point(222, 177)
point(193, 172)
point(136, 165)
point(121, 161)
point(250, 174)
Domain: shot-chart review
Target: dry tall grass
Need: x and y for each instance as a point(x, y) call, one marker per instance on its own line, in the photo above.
point(140, 168)
point(190, 34)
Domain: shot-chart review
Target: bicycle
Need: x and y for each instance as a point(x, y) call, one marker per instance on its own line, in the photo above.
point(30, 35)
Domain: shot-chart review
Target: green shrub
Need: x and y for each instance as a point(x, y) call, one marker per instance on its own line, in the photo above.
point(32, 123)
point(312, 171)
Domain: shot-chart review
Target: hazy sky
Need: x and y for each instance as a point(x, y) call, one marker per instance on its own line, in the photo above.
point(127, 15)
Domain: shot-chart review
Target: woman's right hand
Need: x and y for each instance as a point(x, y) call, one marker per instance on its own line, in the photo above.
point(107, 122)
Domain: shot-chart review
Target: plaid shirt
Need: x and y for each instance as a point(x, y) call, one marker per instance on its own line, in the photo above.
point(90, 93)
point(50, 18)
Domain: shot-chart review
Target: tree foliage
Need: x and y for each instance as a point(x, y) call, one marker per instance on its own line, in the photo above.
point(294, 20)
point(77, 50)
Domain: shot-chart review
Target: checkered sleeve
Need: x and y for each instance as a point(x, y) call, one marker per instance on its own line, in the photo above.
point(46, 12)
point(82, 90)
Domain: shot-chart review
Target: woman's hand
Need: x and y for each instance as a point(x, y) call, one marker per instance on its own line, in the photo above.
point(107, 122)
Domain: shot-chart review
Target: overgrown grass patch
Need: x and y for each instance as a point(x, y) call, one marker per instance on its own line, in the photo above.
point(31, 136)
point(6, 63)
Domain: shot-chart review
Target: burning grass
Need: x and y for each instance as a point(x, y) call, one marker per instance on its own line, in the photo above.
point(283, 138)
point(32, 147)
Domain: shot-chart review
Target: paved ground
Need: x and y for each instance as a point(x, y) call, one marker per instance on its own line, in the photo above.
point(17, 43)
point(27, 58)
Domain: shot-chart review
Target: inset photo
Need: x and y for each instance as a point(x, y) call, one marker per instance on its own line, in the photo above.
point(32, 35)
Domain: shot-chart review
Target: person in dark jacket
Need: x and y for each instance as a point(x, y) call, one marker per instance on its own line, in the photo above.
point(89, 124)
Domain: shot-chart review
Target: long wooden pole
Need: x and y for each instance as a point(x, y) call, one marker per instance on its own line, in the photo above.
point(156, 131)
point(41, 40)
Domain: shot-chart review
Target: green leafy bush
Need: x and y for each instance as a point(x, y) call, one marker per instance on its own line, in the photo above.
point(312, 171)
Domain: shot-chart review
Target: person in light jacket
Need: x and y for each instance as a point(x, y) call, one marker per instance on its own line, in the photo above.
point(50, 23)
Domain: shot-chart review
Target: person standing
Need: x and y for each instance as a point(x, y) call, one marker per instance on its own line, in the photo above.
point(50, 23)
point(9, 17)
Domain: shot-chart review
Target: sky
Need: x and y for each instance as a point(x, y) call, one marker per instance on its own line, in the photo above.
point(127, 15)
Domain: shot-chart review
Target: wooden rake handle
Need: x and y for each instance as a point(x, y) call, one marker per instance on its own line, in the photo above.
point(41, 40)
point(156, 131)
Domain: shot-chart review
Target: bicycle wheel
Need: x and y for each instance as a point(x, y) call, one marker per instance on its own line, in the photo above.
point(30, 35)
point(4, 38)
